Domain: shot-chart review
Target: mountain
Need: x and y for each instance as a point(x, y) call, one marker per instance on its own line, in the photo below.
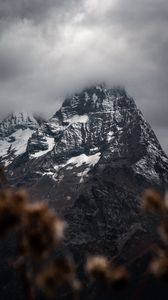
point(91, 161)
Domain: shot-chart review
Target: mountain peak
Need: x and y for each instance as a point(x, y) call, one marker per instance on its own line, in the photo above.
point(94, 99)
point(17, 120)
point(97, 130)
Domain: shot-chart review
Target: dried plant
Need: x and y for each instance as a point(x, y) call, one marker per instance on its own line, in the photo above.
point(119, 277)
point(99, 268)
point(42, 229)
point(59, 273)
point(152, 202)
point(159, 265)
point(163, 231)
point(12, 210)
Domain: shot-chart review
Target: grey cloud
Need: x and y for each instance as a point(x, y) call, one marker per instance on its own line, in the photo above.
point(35, 10)
point(49, 49)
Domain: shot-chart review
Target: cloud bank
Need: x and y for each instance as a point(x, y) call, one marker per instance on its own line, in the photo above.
point(49, 49)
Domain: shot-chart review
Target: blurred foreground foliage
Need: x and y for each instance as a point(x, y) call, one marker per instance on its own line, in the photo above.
point(40, 233)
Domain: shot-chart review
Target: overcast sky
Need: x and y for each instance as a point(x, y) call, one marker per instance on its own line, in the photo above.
point(51, 48)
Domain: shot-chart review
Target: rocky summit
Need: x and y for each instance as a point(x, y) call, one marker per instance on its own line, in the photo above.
point(91, 162)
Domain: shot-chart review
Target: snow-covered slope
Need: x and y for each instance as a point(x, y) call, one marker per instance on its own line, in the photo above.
point(15, 132)
point(14, 145)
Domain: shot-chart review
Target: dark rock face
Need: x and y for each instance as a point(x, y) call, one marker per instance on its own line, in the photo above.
point(37, 142)
point(91, 161)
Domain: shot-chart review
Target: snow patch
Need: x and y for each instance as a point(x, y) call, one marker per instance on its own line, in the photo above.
point(83, 174)
point(78, 119)
point(94, 98)
point(110, 136)
point(107, 104)
point(78, 161)
point(86, 97)
point(118, 117)
point(21, 139)
point(4, 146)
